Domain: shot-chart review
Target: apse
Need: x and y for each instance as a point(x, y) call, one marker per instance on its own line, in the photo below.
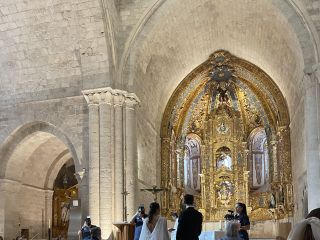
point(226, 139)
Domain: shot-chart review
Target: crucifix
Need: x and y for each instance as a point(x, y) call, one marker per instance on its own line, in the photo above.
point(154, 190)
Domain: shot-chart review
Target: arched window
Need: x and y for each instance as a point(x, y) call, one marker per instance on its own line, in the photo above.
point(259, 159)
point(192, 163)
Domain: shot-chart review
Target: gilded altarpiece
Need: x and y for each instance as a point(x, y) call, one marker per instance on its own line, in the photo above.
point(225, 139)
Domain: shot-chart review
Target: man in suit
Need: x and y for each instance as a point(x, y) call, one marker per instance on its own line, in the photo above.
point(190, 221)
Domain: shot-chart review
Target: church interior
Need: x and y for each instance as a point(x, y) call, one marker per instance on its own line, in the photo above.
point(107, 105)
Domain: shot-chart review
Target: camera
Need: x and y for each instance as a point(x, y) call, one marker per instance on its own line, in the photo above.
point(230, 216)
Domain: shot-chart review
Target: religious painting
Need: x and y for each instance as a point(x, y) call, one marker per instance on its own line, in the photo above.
point(224, 159)
point(192, 163)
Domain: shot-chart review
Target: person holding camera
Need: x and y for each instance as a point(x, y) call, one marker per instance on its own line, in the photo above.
point(137, 220)
point(89, 231)
point(242, 217)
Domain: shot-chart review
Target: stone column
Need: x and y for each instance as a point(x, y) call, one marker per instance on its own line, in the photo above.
point(312, 125)
point(131, 152)
point(106, 162)
point(2, 207)
point(93, 99)
point(111, 134)
point(118, 163)
point(48, 212)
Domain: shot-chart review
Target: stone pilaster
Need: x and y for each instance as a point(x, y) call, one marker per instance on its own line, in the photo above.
point(112, 156)
point(131, 152)
point(106, 162)
point(93, 99)
point(119, 177)
point(312, 128)
point(47, 213)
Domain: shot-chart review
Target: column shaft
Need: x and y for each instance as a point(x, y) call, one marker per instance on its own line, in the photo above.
point(119, 167)
point(94, 174)
point(275, 160)
point(312, 144)
point(106, 166)
point(131, 156)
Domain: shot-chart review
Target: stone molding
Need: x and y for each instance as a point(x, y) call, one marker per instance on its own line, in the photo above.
point(108, 95)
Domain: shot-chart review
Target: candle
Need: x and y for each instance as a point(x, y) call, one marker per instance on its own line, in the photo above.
point(220, 224)
point(49, 223)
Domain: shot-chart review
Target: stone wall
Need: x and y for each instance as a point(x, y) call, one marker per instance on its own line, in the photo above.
point(67, 115)
point(298, 159)
point(51, 49)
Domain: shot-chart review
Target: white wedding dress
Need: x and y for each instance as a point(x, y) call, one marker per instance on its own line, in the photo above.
point(160, 231)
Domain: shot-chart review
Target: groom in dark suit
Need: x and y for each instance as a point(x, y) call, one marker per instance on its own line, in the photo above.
point(190, 221)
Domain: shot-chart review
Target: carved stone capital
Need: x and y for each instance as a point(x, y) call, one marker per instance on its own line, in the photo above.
point(107, 97)
point(110, 96)
point(95, 96)
point(131, 100)
point(311, 79)
point(92, 98)
point(118, 100)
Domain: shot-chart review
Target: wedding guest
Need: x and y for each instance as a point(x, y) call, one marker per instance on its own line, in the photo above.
point(137, 219)
point(307, 229)
point(89, 231)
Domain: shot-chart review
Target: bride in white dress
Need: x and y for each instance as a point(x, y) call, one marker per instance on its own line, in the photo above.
point(154, 226)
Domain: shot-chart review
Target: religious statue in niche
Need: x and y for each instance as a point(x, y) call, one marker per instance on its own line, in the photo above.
point(223, 128)
point(192, 165)
point(65, 211)
point(258, 168)
point(272, 202)
point(223, 96)
point(224, 159)
point(224, 193)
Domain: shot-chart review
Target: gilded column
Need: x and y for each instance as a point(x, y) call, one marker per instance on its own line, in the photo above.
point(119, 188)
point(131, 152)
point(275, 160)
point(165, 154)
point(93, 99)
point(106, 163)
point(312, 128)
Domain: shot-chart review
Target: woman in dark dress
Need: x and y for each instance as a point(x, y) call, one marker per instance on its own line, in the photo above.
point(243, 218)
point(137, 219)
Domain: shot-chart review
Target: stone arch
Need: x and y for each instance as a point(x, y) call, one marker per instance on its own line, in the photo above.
point(31, 158)
point(25, 131)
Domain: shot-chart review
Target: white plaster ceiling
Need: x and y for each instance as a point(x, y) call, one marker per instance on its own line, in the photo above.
point(181, 35)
